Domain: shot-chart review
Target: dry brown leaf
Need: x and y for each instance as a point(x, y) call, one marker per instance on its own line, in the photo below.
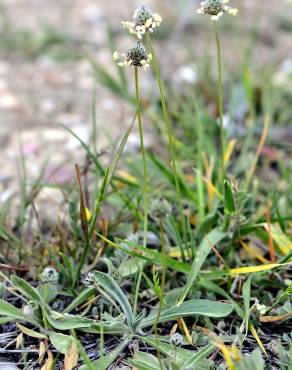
point(71, 357)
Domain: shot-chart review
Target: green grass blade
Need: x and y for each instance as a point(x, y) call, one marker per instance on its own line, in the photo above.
point(88, 364)
point(108, 176)
point(81, 298)
point(170, 177)
point(200, 355)
point(211, 239)
point(246, 290)
point(181, 355)
point(105, 362)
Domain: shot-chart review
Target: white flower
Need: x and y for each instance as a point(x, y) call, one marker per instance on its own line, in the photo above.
point(261, 308)
point(232, 11)
point(144, 21)
point(116, 55)
point(137, 56)
point(49, 275)
point(216, 8)
point(130, 26)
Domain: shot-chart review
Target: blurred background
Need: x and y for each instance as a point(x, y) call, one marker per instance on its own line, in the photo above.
point(56, 56)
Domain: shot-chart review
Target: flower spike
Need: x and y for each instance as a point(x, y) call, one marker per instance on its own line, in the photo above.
point(136, 56)
point(144, 20)
point(216, 8)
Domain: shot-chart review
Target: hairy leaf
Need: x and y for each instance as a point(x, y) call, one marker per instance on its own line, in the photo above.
point(195, 307)
point(108, 284)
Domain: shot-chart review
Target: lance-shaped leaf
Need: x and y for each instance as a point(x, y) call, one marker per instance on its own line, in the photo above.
point(111, 288)
point(184, 356)
point(195, 307)
point(81, 298)
point(229, 202)
point(145, 361)
point(61, 342)
point(113, 328)
point(27, 290)
point(214, 237)
point(67, 322)
point(9, 311)
point(30, 332)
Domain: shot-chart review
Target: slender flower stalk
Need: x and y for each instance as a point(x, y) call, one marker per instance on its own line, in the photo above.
point(220, 101)
point(216, 9)
point(138, 57)
point(169, 133)
point(145, 174)
point(144, 23)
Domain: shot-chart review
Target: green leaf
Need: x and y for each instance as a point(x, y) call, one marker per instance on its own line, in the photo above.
point(5, 320)
point(27, 290)
point(81, 298)
point(181, 355)
point(130, 267)
point(30, 332)
point(7, 235)
point(104, 362)
point(278, 213)
point(7, 310)
point(108, 175)
point(200, 355)
point(61, 342)
point(67, 322)
point(156, 288)
point(109, 285)
point(229, 203)
point(212, 287)
point(115, 327)
point(246, 299)
point(169, 176)
point(70, 267)
point(149, 254)
point(88, 364)
point(116, 86)
point(192, 308)
point(214, 237)
point(253, 361)
point(207, 224)
point(96, 162)
point(145, 361)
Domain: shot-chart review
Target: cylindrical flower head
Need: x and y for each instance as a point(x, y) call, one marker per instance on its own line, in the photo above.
point(88, 278)
point(49, 275)
point(216, 8)
point(144, 20)
point(176, 339)
point(136, 56)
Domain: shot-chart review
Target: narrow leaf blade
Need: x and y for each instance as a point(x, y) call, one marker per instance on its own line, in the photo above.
point(214, 237)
